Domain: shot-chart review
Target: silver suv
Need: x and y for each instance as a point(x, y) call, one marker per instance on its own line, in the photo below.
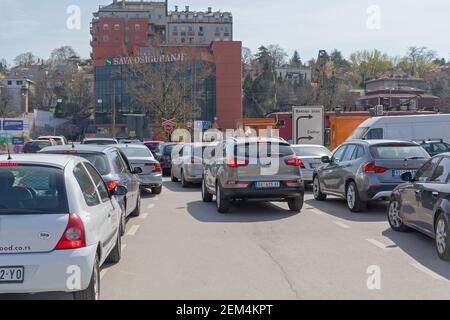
point(262, 169)
point(360, 171)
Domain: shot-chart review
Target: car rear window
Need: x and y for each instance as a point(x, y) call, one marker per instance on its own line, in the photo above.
point(263, 149)
point(312, 151)
point(100, 142)
point(29, 189)
point(131, 152)
point(36, 146)
point(167, 150)
point(397, 152)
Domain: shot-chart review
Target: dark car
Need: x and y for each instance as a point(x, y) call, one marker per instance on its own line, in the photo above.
point(361, 171)
point(435, 147)
point(115, 169)
point(36, 145)
point(423, 203)
point(164, 156)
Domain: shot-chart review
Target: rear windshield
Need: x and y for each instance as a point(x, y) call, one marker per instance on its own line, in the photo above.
point(311, 151)
point(167, 150)
point(98, 160)
point(32, 190)
point(36, 146)
point(100, 142)
point(262, 150)
point(137, 152)
point(398, 152)
point(152, 146)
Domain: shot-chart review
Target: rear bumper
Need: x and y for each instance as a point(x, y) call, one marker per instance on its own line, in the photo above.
point(57, 271)
point(151, 180)
point(377, 192)
point(264, 194)
point(307, 175)
point(193, 174)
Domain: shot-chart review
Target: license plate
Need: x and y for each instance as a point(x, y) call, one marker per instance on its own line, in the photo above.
point(398, 173)
point(265, 185)
point(12, 274)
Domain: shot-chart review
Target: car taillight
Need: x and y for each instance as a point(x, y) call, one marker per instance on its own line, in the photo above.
point(237, 184)
point(293, 183)
point(112, 185)
point(70, 151)
point(296, 162)
point(156, 165)
point(371, 167)
point(235, 163)
point(74, 236)
point(9, 164)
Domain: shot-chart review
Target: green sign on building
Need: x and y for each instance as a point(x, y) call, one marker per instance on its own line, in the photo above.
point(109, 61)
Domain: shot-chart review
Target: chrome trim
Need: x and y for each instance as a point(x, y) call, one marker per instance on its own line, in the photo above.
point(382, 194)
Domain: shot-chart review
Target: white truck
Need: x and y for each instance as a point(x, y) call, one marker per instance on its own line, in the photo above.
point(413, 128)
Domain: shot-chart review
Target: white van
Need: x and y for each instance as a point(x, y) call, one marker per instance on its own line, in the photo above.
point(414, 128)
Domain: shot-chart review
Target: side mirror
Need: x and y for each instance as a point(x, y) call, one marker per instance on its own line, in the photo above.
point(137, 170)
point(407, 177)
point(158, 156)
point(325, 159)
point(119, 191)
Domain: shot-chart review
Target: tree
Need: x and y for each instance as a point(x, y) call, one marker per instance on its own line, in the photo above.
point(5, 100)
point(418, 61)
point(339, 61)
point(279, 56)
point(3, 65)
point(296, 60)
point(25, 59)
point(367, 65)
point(247, 56)
point(63, 55)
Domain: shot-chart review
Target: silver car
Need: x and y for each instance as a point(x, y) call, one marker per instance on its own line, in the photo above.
point(311, 156)
point(187, 163)
point(260, 169)
point(361, 171)
point(140, 156)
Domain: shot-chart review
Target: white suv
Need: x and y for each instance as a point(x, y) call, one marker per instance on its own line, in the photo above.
point(58, 225)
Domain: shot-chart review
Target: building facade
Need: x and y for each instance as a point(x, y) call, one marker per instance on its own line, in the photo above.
point(128, 35)
point(17, 92)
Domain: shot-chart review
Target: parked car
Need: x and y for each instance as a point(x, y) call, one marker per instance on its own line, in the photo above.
point(164, 156)
point(153, 146)
point(140, 156)
point(422, 203)
point(435, 147)
point(187, 163)
point(56, 213)
point(115, 170)
point(100, 141)
point(130, 141)
point(311, 157)
point(35, 146)
point(60, 140)
point(240, 169)
point(361, 171)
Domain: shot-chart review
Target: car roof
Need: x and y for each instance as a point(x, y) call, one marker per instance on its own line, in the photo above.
point(376, 142)
point(60, 161)
point(94, 139)
point(81, 147)
point(131, 145)
point(258, 139)
point(308, 146)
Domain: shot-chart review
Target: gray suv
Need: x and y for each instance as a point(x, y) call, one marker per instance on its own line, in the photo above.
point(360, 171)
point(253, 169)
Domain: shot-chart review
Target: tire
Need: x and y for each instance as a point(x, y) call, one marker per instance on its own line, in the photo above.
point(354, 202)
point(172, 177)
point(123, 222)
point(184, 183)
point(318, 195)
point(93, 290)
point(296, 204)
point(223, 204)
point(157, 190)
point(137, 211)
point(206, 196)
point(116, 254)
point(442, 240)
point(394, 219)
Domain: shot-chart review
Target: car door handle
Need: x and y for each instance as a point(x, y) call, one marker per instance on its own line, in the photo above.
point(418, 191)
point(435, 194)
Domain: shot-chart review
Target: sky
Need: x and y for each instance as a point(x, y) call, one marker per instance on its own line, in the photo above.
point(306, 25)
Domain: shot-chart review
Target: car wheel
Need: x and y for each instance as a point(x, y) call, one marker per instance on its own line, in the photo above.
point(184, 183)
point(354, 202)
point(295, 204)
point(223, 204)
point(157, 190)
point(442, 240)
point(137, 211)
point(395, 221)
point(116, 254)
point(206, 196)
point(93, 290)
point(318, 195)
point(172, 177)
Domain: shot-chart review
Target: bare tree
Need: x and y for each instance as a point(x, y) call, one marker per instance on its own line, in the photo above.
point(5, 100)
point(25, 59)
point(63, 55)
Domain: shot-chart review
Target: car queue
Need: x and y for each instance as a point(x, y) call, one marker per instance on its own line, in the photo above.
point(68, 204)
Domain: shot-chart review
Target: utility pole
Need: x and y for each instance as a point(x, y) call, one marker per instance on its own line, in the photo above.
point(114, 109)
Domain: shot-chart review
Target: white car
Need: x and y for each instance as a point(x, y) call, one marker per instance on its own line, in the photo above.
point(58, 225)
point(60, 140)
point(311, 157)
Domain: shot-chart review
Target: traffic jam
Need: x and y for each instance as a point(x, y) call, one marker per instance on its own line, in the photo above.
point(65, 205)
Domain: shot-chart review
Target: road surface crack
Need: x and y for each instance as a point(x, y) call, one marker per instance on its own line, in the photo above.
point(283, 271)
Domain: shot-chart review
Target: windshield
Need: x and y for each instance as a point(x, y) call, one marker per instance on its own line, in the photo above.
point(131, 152)
point(262, 149)
point(32, 190)
point(312, 151)
point(398, 152)
point(36, 146)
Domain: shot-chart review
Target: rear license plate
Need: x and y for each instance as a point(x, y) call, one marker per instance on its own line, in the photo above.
point(398, 173)
point(12, 274)
point(265, 185)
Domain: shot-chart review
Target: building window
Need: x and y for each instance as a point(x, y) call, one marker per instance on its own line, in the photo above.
point(183, 40)
point(175, 28)
point(160, 17)
point(19, 83)
point(190, 29)
point(9, 83)
point(117, 27)
point(106, 27)
point(106, 39)
point(137, 27)
point(116, 39)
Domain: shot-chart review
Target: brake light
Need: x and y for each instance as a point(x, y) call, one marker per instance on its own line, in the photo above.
point(296, 162)
point(235, 163)
point(112, 185)
point(371, 167)
point(70, 151)
point(156, 165)
point(238, 184)
point(9, 164)
point(293, 183)
point(74, 236)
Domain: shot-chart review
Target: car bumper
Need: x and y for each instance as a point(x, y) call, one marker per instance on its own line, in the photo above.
point(57, 271)
point(264, 194)
point(194, 175)
point(378, 192)
point(151, 181)
point(307, 175)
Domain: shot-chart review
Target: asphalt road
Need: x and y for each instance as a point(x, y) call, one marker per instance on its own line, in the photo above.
point(181, 248)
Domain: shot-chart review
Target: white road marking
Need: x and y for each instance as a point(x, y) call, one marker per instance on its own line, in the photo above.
point(319, 213)
point(151, 206)
point(428, 272)
point(133, 230)
point(143, 216)
point(341, 224)
point(155, 198)
point(377, 244)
